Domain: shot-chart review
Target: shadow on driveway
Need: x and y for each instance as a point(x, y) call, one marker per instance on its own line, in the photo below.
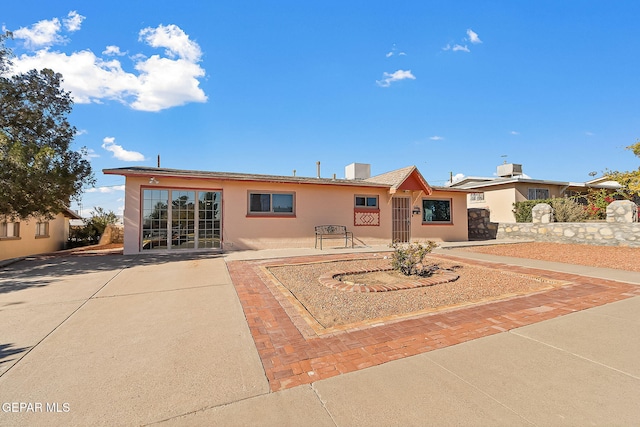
point(45, 270)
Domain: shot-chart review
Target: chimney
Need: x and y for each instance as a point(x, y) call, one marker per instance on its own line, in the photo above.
point(318, 168)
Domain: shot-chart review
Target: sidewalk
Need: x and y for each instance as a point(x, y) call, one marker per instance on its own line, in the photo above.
point(164, 340)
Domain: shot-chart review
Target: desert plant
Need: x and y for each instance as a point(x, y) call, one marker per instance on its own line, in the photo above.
point(568, 210)
point(409, 259)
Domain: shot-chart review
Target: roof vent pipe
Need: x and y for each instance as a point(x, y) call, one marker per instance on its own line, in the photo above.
point(318, 168)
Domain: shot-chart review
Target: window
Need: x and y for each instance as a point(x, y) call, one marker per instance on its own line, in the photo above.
point(181, 219)
point(271, 203)
point(538, 194)
point(370, 202)
point(10, 230)
point(42, 229)
point(476, 197)
point(436, 211)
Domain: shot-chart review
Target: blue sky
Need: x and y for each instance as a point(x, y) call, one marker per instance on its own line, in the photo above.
point(269, 87)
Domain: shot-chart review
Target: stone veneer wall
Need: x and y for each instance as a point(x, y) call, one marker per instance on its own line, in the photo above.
point(113, 233)
point(480, 227)
point(595, 233)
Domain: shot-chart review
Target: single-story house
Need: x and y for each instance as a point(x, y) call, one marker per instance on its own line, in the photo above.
point(19, 238)
point(167, 209)
point(510, 185)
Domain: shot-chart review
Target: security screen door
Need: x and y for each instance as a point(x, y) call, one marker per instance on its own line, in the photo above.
point(401, 219)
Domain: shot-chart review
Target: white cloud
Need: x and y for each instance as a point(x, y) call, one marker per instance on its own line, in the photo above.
point(73, 21)
point(457, 177)
point(41, 34)
point(436, 138)
point(176, 42)
point(159, 82)
point(112, 50)
point(394, 51)
point(119, 152)
point(513, 132)
point(589, 133)
point(473, 37)
point(389, 78)
point(90, 154)
point(105, 190)
point(457, 48)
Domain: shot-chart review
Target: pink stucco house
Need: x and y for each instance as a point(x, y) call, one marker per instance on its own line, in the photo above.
point(31, 236)
point(170, 209)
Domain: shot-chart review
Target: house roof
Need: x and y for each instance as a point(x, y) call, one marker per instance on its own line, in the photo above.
point(407, 178)
point(471, 183)
point(70, 214)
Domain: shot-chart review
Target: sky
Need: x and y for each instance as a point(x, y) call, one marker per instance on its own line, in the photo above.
point(270, 87)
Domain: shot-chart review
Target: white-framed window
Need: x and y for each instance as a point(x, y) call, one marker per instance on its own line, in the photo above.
point(9, 230)
point(369, 202)
point(42, 229)
point(538, 194)
point(476, 197)
point(263, 203)
point(436, 211)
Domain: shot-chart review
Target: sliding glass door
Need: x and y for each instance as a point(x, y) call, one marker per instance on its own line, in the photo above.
point(181, 219)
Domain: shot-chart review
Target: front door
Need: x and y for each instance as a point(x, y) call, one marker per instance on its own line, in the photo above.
point(401, 219)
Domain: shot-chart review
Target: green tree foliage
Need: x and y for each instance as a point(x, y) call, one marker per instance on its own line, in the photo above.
point(98, 221)
point(93, 228)
point(630, 180)
point(39, 173)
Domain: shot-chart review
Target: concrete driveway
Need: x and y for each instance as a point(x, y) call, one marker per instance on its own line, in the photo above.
point(140, 340)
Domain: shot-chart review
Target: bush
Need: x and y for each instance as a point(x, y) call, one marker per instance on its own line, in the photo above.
point(522, 210)
point(409, 259)
point(564, 210)
point(568, 210)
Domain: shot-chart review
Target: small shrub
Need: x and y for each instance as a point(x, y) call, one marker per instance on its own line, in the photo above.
point(568, 210)
point(409, 259)
point(522, 210)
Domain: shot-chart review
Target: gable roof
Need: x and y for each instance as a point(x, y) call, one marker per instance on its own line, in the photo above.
point(407, 178)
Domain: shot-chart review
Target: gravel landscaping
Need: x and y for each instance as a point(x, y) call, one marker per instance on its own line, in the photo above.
point(331, 307)
point(622, 258)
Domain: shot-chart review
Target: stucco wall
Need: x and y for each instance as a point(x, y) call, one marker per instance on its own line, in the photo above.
point(314, 205)
point(28, 244)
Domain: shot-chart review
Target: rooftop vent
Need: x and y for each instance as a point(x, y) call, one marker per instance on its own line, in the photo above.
point(509, 170)
point(357, 171)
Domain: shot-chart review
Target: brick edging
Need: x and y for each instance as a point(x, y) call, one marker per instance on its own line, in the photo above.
point(329, 280)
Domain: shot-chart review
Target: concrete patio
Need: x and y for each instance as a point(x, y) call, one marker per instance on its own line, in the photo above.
point(145, 340)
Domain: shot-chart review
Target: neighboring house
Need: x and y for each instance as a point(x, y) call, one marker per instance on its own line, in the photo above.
point(499, 193)
point(167, 209)
point(32, 236)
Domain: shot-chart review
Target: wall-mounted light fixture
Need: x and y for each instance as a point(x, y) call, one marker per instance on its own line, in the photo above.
point(416, 210)
point(152, 180)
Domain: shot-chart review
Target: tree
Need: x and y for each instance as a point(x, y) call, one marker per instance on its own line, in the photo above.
point(39, 173)
point(630, 180)
point(96, 224)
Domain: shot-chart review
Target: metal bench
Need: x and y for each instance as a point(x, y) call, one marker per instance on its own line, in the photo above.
point(333, 232)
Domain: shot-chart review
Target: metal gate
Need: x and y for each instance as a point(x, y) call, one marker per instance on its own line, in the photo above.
point(401, 219)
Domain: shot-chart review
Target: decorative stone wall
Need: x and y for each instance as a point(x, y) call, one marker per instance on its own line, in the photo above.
point(112, 234)
point(622, 211)
point(542, 213)
point(480, 227)
point(595, 233)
